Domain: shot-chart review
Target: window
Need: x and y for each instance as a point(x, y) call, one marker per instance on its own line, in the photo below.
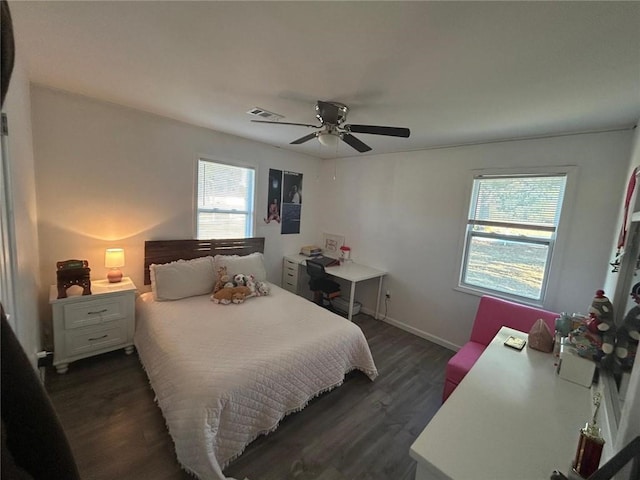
point(225, 200)
point(511, 231)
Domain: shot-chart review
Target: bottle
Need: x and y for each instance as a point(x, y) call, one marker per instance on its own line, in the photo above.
point(590, 445)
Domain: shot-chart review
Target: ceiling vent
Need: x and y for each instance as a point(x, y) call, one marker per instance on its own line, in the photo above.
point(266, 114)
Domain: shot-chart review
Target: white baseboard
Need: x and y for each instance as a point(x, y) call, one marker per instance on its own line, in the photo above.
point(415, 331)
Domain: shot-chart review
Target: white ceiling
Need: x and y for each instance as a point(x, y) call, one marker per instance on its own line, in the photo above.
point(452, 72)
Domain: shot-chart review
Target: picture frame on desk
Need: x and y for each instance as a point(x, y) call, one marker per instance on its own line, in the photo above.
point(331, 243)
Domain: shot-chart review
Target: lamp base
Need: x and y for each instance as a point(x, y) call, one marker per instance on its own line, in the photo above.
point(114, 276)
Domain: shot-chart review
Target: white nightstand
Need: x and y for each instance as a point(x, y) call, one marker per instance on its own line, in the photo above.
point(87, 325)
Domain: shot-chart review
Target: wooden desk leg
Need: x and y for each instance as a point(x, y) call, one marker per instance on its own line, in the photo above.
point(379, 294)
point(352, 296)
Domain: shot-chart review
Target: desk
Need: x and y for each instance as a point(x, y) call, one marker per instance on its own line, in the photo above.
point(510, 417)
point(351, 271)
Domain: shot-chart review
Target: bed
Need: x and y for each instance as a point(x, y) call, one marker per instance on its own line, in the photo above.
point(225, 374)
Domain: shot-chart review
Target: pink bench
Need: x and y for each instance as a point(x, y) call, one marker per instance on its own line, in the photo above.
point(493, 314)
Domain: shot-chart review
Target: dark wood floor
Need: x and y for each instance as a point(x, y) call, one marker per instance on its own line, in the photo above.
point(362, 430)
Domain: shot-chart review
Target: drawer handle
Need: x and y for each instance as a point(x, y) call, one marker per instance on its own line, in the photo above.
point(100, 311)
point(98, 338)
point(290, 274)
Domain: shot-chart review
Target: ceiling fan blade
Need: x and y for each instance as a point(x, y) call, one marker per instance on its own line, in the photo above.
point(288, 123)
point(378, 130)
point(306, 138)
point(328, 112)
point(355, 143)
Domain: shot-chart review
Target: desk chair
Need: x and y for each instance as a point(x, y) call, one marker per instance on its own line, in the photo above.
point(324, 289)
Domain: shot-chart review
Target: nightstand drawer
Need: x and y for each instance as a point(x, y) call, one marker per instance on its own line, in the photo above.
point(95, 338)
point(93, 312)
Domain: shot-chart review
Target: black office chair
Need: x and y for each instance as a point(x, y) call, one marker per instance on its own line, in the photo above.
point(324, 289)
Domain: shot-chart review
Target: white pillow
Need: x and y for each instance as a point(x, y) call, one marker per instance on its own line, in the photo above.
point(183, 278)
point(252, 264)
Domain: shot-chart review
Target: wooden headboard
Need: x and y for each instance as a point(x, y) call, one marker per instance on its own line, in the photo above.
point(165, 251)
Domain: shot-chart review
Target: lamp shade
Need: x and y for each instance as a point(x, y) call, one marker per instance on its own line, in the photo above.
point(114, 258)
point(328, 139)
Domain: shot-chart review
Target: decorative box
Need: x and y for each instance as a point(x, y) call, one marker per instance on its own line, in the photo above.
point(574, 368)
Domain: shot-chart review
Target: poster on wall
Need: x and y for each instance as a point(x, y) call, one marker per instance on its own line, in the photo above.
point(274, 197)
point(291, 202)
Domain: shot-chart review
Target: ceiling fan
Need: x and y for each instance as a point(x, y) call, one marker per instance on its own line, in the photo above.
point(332, 116)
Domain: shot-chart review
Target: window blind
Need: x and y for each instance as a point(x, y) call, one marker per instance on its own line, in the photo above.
point(534, 201)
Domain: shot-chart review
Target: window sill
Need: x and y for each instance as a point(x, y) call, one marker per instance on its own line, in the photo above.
point(512, 298)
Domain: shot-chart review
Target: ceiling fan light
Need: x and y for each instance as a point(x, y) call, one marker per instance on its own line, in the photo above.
point(328, 139)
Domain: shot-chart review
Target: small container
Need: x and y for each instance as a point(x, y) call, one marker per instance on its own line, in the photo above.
point(345, 253)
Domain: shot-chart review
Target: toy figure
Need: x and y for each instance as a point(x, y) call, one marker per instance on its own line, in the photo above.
point(274, 212)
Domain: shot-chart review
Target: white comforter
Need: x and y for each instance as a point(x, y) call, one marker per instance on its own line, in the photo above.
point(224, 374)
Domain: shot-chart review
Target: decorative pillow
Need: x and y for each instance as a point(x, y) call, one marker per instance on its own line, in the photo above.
point(252, 264)
point(183, 278)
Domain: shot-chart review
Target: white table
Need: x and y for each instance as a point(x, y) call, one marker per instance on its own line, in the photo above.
point(511, 417)
point(352, 272)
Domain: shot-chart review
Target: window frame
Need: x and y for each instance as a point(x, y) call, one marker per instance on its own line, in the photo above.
point(555, 242)
point(250, 223)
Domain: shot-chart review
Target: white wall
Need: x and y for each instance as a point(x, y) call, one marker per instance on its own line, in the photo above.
point(22, 179)
point(110, 176)
point(406, 213)
point(629, 426)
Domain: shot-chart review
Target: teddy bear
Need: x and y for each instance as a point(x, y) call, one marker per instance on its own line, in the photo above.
point(262, 289)
point(228, 295)
point(223, 279)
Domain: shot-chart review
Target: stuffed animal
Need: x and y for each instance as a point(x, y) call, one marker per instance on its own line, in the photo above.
point(228, 295)
point(628, 333)
point(262, 289)
point(239, 297)
point(251, 283)
point(239, 280)
point(223, 279)
point(602, 321)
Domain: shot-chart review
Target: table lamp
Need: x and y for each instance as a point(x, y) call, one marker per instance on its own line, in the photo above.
point(114, 259)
